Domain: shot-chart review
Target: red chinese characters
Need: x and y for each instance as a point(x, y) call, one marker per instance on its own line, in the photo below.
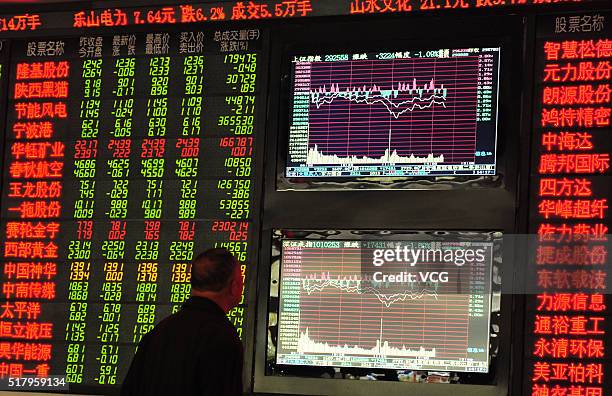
point(570, 217)
point(573, 372)
point(32, 270)
point(25, 351)
point(561, 163)
point(587, 94)
point(41, 90)
point(282, 9)
point(42, 70)
point(561, 348)
point(565, 187)
point(35, 171)
point(33, 130)
point(18, 370)
point(567, 141)
point(20, 23)
point(565, 302)
point(388, 6)
point(574, 209)
point(578, 49)
point(578, 72)
point(584, 117)
point(571, 232)
point(563, 279)
point(576, 255)
point(572, 390)
point(39, 110)
point(95, 18)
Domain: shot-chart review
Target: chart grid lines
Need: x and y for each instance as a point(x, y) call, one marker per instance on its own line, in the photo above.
point(332, 313)
point(414, 114)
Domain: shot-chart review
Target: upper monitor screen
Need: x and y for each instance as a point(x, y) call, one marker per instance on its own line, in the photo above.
point(421, 305)
point(394, 114)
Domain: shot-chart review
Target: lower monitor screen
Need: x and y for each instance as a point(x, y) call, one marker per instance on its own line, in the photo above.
point(385, 304)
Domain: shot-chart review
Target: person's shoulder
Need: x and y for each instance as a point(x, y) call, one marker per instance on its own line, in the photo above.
point(231, 337)
point(217, 325)
point(166, 324)
point(209, 325)
point(168, 320)
point(221, 344)
point(219, 329)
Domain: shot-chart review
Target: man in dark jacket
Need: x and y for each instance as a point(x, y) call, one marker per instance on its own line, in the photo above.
point(195, 351)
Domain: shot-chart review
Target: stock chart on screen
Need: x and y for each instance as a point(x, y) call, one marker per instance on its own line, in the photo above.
point(394, 114)
point(385, 304)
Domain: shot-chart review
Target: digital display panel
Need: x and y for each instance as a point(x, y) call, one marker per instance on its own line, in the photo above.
point(421, 305)
point(570, 184)
point(124, 157)
point(414, 113)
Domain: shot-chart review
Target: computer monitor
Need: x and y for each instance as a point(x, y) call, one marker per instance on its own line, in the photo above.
point(420, 304)
point(402, 113)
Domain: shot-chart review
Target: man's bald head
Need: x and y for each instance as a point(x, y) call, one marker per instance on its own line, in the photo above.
point(212, 270)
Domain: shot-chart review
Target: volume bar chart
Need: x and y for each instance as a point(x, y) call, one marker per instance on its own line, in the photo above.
point(413, 113)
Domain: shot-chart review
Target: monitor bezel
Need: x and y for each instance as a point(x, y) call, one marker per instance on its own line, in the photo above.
point(396, 181)
point(339, 41)
point(283, 383)
point(494, 237)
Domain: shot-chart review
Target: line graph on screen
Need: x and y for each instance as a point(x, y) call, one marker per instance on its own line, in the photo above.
point(332, 307)
point(413, 113)
point(400, 111)
point(355, 284)
point(418, 98)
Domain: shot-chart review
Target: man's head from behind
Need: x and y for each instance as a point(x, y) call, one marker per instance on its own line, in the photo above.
point(216, 274)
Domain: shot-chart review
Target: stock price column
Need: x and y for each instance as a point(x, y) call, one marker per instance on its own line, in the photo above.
point(187, 144)
point(80, 246)
point(153, 165)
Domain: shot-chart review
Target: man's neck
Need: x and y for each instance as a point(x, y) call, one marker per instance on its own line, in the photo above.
point(218, 299)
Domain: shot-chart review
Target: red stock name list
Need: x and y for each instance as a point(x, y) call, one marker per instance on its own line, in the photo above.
point(570, 217)
point(30, 252)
